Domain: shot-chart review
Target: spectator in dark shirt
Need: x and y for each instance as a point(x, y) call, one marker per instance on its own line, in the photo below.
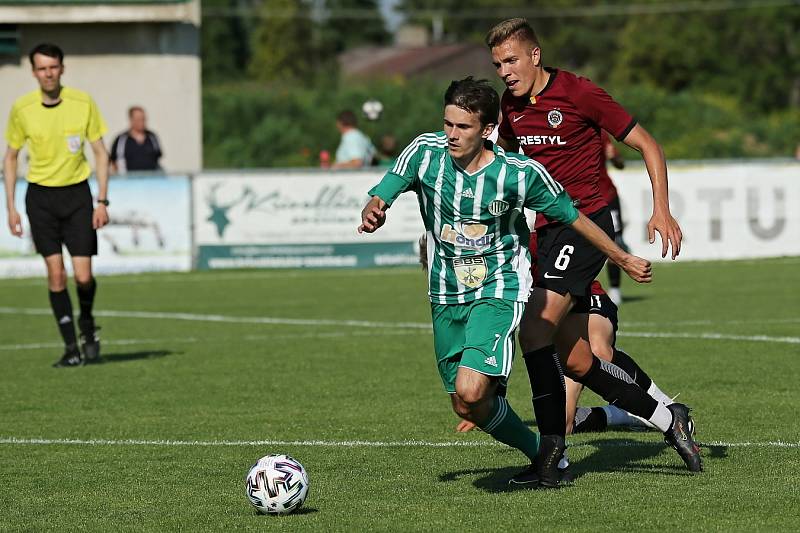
point(136, 149)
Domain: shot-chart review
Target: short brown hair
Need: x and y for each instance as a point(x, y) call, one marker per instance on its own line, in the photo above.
point(517, 28)
point(475, 96)
point(347, 118)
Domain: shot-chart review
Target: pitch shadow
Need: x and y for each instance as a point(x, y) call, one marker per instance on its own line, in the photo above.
point(301, 511)
point(609, 455)
point(122, 357)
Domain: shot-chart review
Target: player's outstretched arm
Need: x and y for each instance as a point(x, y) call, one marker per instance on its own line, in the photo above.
point(637, 268)
point(10, 181)
point(661, 221)
point(373, 215)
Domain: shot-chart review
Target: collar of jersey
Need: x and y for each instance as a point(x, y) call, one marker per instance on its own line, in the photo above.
point(483, 168)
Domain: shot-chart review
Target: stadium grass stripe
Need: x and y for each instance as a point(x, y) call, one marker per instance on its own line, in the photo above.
point(357, 443)
point(194, 317)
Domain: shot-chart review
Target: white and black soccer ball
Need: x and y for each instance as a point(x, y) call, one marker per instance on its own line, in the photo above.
point(277, 484)
point(372, 109)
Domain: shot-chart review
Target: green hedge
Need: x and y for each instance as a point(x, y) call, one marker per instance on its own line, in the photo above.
point(249, 125)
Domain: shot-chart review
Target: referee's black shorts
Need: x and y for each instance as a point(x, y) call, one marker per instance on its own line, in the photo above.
point(59, 216)
point(567, 263)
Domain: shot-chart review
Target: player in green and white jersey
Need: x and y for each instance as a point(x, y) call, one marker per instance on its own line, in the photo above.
point(471, 196)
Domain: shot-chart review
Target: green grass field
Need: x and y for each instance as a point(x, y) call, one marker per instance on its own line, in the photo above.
point(335, 367)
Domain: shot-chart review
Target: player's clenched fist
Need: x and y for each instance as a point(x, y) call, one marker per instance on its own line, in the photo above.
point(640, 270)
point(373, 215)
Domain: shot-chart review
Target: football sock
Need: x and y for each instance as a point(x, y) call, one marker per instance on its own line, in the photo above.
point(614, 276)
point(618, 417)
point(62, 310)
point(86, 299)
point(505, 426)
point(617, 387)
point(549, 390)
point(640, 377)
point(589, 419)
point(626, 363)
point(658, 394)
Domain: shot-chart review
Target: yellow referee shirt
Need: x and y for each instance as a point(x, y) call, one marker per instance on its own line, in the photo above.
point(55, 135)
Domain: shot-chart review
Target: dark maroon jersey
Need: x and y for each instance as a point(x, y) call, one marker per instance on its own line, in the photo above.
point(607, 188)
point(560, 128)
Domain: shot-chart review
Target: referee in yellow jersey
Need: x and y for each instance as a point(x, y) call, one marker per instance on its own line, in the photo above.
point(55, 121)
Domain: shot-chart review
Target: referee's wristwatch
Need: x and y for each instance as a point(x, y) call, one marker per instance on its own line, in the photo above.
point(103, 201)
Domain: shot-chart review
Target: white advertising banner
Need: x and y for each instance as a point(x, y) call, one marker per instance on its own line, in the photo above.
point(726, 210)
point(148, 230)
point(298, 219)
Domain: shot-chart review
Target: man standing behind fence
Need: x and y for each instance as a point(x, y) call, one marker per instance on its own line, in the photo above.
point(355, 149)
point(55, 121)
point(137, 148)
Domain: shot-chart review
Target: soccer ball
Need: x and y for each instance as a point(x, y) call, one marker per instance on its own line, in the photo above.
point(372, 109)
point(277, 484)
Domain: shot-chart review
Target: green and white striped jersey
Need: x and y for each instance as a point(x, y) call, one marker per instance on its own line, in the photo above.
point(477, 235)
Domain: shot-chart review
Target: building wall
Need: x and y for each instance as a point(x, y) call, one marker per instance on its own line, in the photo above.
point(152, 64)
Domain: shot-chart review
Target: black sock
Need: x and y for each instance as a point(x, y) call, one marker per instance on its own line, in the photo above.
point(617, 388)
point(589, 419)
point(624, 361)
point(62, 309)
point(614, 277)
point(86, 299)
point(549, 391)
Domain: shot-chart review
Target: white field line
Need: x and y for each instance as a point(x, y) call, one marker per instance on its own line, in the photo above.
point(191, 277)
point(351, 443)
point(194, 317)
point(192, 340)
point(791, 320)
point(709, 336)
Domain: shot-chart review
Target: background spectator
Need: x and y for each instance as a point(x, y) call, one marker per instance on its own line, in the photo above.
point(138, 148)
point(355, 149)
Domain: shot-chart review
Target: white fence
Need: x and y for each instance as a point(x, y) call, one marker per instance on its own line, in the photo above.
point(308, 218)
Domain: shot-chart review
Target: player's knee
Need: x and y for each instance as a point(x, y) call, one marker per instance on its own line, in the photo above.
point(576, 368)
point(83, 278)
point(602, 349)
point(461, 409)
point(469, 395)
point(57, 279)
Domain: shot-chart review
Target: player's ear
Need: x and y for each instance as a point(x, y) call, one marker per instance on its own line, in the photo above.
point(487, 130)
point(536, 56)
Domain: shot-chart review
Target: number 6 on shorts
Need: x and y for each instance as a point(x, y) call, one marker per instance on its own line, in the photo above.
point(562, 261)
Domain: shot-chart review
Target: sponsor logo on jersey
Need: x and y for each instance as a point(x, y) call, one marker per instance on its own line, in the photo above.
point(74, 143)
point(555, 118)
point(515, 119)
point(491, 361)
point(468, 193)
point(498, 207)
point(526, 140)
point(471, 236)
point(470, 271)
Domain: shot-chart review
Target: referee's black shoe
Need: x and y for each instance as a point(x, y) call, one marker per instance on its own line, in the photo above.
point(72, 357)
point(90, 342)
point(680, 436)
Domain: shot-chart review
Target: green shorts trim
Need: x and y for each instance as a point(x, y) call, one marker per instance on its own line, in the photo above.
point(478, 335)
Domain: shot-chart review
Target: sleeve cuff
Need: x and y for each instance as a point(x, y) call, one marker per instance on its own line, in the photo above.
point(389, 188)
point(624, 133)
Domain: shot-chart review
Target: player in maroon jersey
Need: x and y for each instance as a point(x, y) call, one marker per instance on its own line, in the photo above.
point(608, 190)
point(556, 118)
